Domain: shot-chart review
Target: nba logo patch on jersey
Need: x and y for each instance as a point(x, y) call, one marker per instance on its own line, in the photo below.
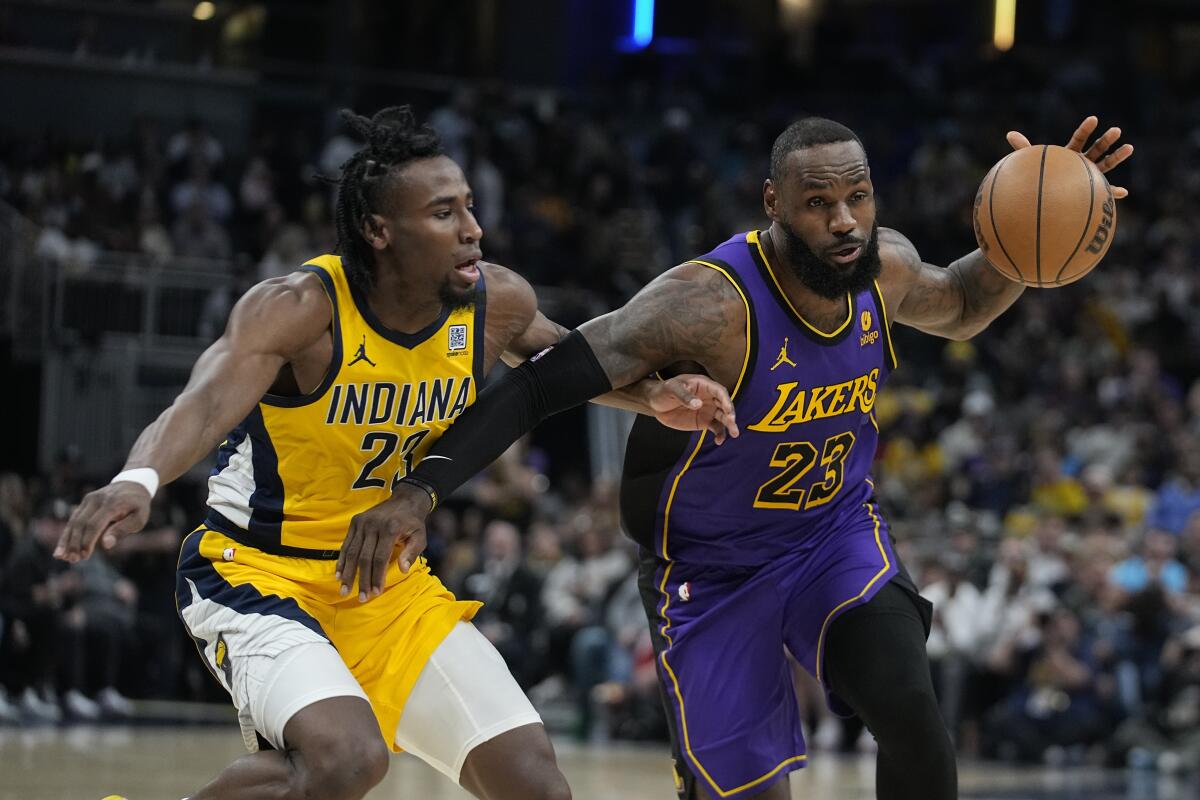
point(458, 337)
point(685, 591)
point(228, 553)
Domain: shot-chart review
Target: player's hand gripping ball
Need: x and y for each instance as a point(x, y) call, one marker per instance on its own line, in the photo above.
point(1045, 216)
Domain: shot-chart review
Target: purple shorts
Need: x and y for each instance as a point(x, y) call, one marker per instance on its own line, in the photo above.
point(720, 634)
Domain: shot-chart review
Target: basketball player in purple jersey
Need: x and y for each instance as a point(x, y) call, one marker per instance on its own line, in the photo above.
point(775, 539)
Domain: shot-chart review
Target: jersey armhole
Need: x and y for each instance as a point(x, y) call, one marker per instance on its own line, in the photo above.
point(751, 337)
point(885, 324)
point(335, 362)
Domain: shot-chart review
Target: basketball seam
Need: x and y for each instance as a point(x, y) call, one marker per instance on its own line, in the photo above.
point(984, 190)
point(1088, 223)
point(1038, 235)
point(992, 215)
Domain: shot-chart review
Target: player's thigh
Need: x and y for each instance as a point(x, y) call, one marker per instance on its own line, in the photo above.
point(727, 689)
point(270, 657)
point(877, 661)
point(465, 696)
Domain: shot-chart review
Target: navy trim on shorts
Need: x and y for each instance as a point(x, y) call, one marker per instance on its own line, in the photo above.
point(244, 599)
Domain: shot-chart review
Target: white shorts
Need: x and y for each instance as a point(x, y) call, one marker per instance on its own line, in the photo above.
point(464, 696)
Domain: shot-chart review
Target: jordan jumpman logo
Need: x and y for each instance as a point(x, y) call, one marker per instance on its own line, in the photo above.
point(361, 355)
point(783, 356)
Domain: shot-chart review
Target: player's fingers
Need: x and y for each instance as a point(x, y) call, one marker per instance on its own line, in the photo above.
point(365, 557)
point(1017, 140)
point(413, 547)
point(731, 426)
point(1101, 145)
point(1082, 133)
point(348, 558)
point(89, 531)
point(119, 529)
point(1115, 157)
point(70, 535)
point(684, 394)
point(78, 527)
point(379, 564)
point(716, 394)
point(1120, 192)
point(718, 431)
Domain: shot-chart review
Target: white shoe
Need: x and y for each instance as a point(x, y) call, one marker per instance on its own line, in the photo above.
point(79, 705)
point(37, 708)
point(114, 703)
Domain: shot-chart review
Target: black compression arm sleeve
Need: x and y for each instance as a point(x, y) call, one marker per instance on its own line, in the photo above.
point(556, 379)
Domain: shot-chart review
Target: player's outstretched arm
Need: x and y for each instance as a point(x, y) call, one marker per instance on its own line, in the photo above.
point(272, 322)
point(517, 330)
point(687, 314)
point(960, 301)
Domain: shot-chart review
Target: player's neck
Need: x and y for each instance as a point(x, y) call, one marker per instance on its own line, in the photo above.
point(824, 312)
point(406, 306)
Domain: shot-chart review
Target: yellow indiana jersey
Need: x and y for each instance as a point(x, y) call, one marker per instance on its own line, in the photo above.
point(289, 479)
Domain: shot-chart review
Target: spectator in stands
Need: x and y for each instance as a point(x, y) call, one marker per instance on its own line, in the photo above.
point(511, 594)
point(197, 235)
point(34, 592)
point(194, 143)
point(1155, 566)
point(201, 190)
point(1169, 735)
point(1057, 702)
point(954, 634)
point(96, 634)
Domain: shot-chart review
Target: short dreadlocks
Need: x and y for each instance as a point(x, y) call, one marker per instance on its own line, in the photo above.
point(393, 139)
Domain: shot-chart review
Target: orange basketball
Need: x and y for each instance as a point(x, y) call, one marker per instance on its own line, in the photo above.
point(1044, 216)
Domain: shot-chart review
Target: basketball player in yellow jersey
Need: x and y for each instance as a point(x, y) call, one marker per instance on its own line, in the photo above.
point(335, 380)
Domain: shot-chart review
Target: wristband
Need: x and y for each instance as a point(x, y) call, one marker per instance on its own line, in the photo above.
point(427, 487)
point(146, 477)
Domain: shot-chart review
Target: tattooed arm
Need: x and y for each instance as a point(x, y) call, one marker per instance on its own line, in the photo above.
point(517, 330)
point(956, 302)
point(960, 301)
point(691, 313)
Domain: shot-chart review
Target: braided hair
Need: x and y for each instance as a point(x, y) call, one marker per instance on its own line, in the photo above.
point(393, 139)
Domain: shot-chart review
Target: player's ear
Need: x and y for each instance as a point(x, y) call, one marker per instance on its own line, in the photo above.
point(770, 200)
point(376, 231)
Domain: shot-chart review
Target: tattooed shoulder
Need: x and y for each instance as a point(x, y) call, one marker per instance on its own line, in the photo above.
point(896, 250)
point(684, 314)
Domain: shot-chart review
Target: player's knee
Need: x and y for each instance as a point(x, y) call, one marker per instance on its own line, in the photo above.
point(905, 716)
point(549, 783)
point(545, 780)
point(347, 767)
point(553, 786)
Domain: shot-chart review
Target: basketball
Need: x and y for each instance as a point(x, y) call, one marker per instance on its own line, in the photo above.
point(1044, 216)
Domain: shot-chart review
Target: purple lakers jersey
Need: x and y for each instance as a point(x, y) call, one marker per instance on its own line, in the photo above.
point(805, 404)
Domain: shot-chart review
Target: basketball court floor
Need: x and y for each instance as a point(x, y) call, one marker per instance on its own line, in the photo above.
point(163, 763)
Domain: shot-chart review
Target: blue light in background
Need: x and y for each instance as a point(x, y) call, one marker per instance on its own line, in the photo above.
point(643, 22)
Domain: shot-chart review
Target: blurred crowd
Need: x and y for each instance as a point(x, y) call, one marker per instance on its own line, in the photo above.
point(1043, 479)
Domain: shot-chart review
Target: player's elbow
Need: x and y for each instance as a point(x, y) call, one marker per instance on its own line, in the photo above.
point(966, 329)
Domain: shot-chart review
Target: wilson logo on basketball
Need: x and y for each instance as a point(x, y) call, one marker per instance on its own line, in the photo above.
point(1106, 221)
